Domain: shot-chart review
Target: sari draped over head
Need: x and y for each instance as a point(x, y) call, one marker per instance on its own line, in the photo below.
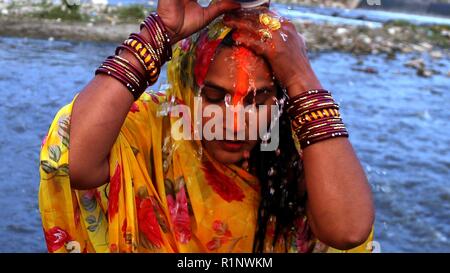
point(163, 195)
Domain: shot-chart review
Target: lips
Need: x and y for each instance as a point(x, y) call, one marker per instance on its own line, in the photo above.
point(232, 146)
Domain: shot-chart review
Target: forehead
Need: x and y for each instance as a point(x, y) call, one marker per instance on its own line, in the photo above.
point(227, 64)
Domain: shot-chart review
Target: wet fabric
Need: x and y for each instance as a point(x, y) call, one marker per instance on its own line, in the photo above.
point(164, 195)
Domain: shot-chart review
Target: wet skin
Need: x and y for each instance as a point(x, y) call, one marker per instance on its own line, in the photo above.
point(229, 74)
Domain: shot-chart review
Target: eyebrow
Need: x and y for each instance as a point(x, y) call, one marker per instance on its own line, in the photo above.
point(220, 88)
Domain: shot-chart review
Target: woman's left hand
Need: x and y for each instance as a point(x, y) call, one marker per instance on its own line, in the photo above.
point(279, 44)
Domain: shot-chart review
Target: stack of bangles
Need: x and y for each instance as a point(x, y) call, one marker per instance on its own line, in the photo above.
point(315, 117)
point(151, 53)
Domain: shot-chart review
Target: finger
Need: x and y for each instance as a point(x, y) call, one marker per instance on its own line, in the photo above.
point(218, 8)
point(242, 24)
point(251, 41)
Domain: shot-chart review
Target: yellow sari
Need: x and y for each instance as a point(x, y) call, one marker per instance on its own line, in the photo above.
point(163, 195)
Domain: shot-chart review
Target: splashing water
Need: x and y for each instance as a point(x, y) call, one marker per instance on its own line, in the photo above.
point(284, 36)
point(228, 100)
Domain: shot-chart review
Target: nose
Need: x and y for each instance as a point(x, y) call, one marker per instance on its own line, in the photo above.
point(237, 125)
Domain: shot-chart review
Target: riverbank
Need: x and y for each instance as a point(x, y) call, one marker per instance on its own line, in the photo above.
point(105, 23)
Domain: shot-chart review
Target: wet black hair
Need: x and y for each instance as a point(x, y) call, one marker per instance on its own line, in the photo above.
point(280, 173)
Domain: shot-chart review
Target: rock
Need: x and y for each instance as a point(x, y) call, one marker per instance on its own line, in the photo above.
point(424, 73)
point(365, 39)
point(369, 70)
point(418, 48)
point(406, 49)
point(420, 67)
point(436, 54)
point(394, 30)
point(416, 64)
point(445, 33)
point(391, 55)
point(341, 31)
point(426, 46)
point(379, 39)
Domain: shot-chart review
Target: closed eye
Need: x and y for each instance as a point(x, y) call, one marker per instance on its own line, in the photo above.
point(262, 95)
point(213, 95)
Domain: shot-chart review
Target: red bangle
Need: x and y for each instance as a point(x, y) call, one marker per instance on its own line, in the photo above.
point(168, 46)
point(102, 70)
point(149, 49)
point(130, 66)
point(133, 79)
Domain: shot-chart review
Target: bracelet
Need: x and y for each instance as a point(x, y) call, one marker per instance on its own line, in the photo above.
point(123, 73)
point(151, 53)
point(145, 57)
point(310, 117)
point(315, 117)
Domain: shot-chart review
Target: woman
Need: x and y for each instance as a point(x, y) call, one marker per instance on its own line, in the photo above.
point(135, 187)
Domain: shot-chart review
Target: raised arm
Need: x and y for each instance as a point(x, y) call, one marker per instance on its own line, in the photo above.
point(100, 109)
point(340, 206)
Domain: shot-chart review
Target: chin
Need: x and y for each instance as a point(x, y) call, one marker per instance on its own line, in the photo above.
point(227, 152)
point(220, 152)
point(226, 157)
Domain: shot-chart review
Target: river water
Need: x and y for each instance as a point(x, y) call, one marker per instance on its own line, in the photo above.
point(399, 125)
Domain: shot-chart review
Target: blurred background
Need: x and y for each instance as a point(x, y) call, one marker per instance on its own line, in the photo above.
point(386, 61)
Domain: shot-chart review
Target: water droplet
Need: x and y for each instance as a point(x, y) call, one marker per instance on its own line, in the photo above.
point(284, 36)
point(227, 100)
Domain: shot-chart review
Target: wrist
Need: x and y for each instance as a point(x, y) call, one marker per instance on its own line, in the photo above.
point(303, 84)
point(172, 36)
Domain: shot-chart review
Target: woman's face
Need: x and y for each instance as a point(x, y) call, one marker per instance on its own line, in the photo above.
point(238, 74)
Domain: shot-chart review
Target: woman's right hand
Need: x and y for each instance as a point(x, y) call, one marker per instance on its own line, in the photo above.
point(185, 17)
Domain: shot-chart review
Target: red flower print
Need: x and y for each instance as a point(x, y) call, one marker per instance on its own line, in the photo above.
point(214, 244)
point(113, 248)
point(221, 228)
point(115, 185)
point(185, 44)
point(204, 53)
point(147, 221)
point(134, 108)
point(223, 235)
point(222, 184)
point(179, 214)
point(124, 229)
point(56, 238)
